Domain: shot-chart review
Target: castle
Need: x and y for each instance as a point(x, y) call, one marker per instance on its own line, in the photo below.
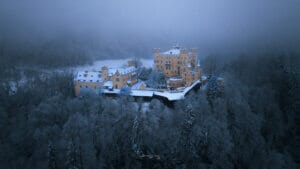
point(178, 65)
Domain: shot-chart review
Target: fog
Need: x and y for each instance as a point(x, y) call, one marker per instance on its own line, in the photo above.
point(213, 26)
point(243, 114)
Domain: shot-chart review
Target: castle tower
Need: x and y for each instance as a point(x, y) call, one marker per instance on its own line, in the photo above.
point(104, 73)
point(156, 51)
point(156, 58)
point(178, 63)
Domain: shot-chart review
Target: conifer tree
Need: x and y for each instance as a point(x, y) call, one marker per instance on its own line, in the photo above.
point(51, 157)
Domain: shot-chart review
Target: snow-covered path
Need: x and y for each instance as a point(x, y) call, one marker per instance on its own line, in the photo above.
point(170, 95)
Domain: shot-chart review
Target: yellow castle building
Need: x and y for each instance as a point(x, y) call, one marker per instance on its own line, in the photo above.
point(118, 77)
point(106, 78)
point(180, 66)
point(87, 81)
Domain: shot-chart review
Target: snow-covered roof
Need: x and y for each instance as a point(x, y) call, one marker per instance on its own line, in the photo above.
point(174, 51)
point(88, 76)
point(175, 79)
point(138, 85)
point(122, 70)
point(108, 84)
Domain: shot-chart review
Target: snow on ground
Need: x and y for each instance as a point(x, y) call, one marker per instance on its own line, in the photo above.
point(114, 91)
point(140, 93)
point(143, 93)
point(113, 63)
point(170, 95)
point(148, 63)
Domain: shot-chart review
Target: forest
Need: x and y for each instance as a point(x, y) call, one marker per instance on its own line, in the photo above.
point(251, 121)
point(248, 120)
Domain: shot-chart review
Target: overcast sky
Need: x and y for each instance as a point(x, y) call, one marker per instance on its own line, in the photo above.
point(207, 24)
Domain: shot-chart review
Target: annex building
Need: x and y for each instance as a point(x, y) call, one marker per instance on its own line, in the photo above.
point(106, 78)
point(87, 81)
point(118, 77)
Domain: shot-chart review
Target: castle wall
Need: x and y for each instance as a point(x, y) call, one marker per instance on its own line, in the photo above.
point(80, 86)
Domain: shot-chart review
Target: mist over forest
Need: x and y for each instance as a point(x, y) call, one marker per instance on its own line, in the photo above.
point(249, 121)
point(122, 29)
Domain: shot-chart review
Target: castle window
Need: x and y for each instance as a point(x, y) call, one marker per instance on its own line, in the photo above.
point(167, 67)
point(117, 79)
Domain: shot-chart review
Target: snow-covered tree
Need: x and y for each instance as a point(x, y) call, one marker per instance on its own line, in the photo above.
point(143, 73)
point(52, 164)
point(72, 161)
point(156, 80)
point(215, 88)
